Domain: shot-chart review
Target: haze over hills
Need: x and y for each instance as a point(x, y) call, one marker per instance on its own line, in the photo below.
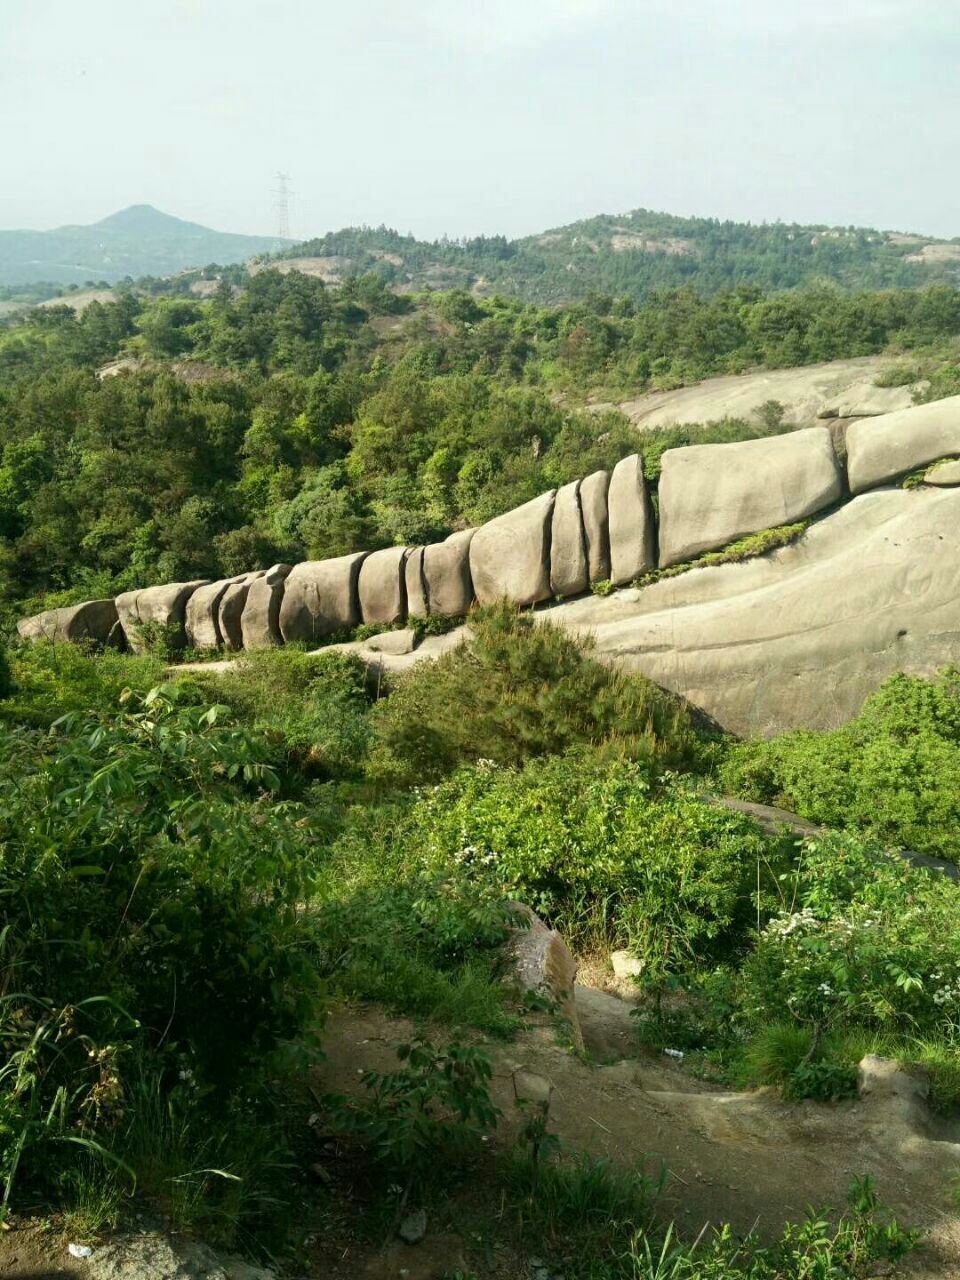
point(635, 253)
point(629, 255)
point(137, 241)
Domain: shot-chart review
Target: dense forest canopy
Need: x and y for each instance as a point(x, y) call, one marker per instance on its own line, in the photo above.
point(287, 420)
point(638, 253)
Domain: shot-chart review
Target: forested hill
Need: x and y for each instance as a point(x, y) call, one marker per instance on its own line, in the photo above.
point(636, 253)
point(284, 420)
point(139, 241)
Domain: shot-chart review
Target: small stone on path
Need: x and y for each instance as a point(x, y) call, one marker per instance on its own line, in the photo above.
point(414, 1227)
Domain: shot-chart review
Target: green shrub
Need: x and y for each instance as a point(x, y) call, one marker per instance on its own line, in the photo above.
point(869, 940)
point(522, 688)
point(51, 680)
point(892, 774)
point(429, 948)
point(6, 675)
point(315, 704)
point(152, 892)
point(590, 845)
point(425, 1117)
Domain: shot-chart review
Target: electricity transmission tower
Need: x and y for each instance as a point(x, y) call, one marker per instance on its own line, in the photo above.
point(281, 206)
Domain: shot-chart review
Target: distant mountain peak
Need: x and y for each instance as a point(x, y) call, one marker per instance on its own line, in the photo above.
point(140, 240)
point(141, 217)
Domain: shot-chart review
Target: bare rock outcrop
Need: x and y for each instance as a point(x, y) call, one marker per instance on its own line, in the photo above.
point(712, 494)
point(320, 597)
point(447, 580)
point(880, 449)
point(417, 606)
point(596, 524)
point(510, 556)
point(203, 611)
point(165, 606)
point(632, 530)
point(569, 573)
point(258, 603)
point(798, 638)
point(93, 622)
point(946, 476)
point(542, 963)
point(382, 586)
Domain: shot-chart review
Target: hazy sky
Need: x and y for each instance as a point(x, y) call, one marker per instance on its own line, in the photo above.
point(467, 116)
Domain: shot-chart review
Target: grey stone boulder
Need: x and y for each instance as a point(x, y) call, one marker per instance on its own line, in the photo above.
point(625, 964)
point(542, 963)
point(596, 524)
point(880, 449)
point(713, 494)
point(382, 586)
point(415, 584)
point(93, 622)
point(569, 573)
point(203, 611)
point(166, 606)
point(230, 614)
point(944, 476)
point(510, 556)
point(632, 532)
point(258, 604)
point(394, 643)
point(447, 582)
point(798, 638)
point(320, 597)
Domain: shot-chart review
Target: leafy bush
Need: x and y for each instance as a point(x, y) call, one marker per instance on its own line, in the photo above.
point(893, 773)
point(51, 680)
point(594, 848)
point(868, 940)
point(314, 704)
point(521, 689)
point(152, 894)
point(429, 948)
point(426, 1116)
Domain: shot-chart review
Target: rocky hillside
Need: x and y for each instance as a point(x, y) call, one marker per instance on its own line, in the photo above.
point(139, 241)
point(634, 254)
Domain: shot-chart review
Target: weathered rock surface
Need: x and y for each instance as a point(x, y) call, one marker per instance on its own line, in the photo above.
point(946, 476)
point(712, 494)
point(151, 1256)
point(416, 587)
point(543, 963)
point(447, 582)
point(625, 964)
point(396, 643)
point(801, 637)
point(632, 532)
point(569, 575)
point(596, 524)
point(382, 587)
point(259, 610)
point(166, 606)
point(203, 611)
point(880, 449)
point(230, 613)
point(510, 556)
point(320, 597)
point(94, 622)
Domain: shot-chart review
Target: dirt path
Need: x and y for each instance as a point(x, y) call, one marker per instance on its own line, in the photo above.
point(750, 1159)
point(745, 1158)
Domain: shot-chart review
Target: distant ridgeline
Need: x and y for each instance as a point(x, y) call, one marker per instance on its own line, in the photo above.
point(634, 255)
point(794, 638)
